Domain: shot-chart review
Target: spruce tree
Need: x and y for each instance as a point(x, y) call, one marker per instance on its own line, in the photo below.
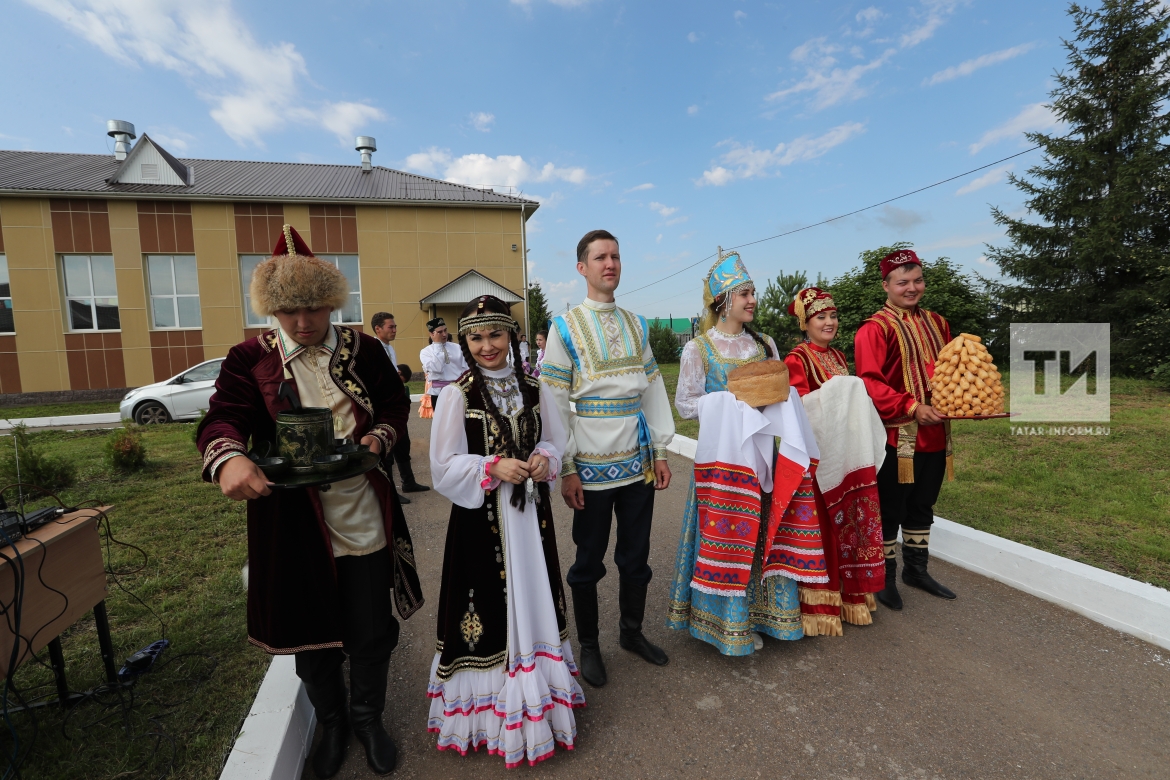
point(1101, 249)
point(538, 313)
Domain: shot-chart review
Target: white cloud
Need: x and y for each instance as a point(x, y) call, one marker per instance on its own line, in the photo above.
point(970, 66)
point(868, 18)
point(173, 140)
point(482, 121)
point(935, 13)
point(739, 16)
point(249, 84)
point(747, 162)
point(1035, 117)
point(662, 209)
point(692, 110)
point(830, 85)
point(899, 219)
point(659, 239)
point(676, 221)
point(640, 187)
point(480, 170)
point(994, 176)
point(561, 3)
point(692, 37)
point(565, 292)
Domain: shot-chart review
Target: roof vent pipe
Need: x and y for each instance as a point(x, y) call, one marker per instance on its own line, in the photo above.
point(367, 146)
point(123, 134)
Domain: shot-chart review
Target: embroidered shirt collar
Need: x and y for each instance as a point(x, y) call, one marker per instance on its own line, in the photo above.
point(903, 313)
point(715, 333)
point(589, 303)
point(289, 348)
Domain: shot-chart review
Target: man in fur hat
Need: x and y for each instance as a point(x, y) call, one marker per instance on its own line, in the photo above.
point(441, 360)
point(323, 562)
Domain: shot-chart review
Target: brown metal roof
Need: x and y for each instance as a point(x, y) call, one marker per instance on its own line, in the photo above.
point(61, 175)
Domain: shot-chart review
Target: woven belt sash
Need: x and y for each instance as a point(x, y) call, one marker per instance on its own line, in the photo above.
point(624, 407)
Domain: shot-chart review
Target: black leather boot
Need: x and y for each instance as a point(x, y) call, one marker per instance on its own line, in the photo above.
point(367, 694)
point(632, 603)
point(889, 596)
point(328, 698)
point(915, 555)
point(585, 610)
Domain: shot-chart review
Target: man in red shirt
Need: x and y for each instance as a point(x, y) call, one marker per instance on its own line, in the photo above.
point(894, 352)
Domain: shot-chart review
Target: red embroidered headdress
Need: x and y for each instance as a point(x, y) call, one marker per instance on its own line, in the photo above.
point(898, 259)
point(808, 303)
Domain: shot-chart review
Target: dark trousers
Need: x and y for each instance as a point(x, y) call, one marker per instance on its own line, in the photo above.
point(401, 453)
point(369, 628)
point(634, 506)
point(910, 505)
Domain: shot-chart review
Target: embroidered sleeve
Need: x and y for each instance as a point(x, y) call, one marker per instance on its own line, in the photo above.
point(568, 467)
point(385, 434)
point(652, 371)
point(218, 451)
point(660, 453)
point(692, 382)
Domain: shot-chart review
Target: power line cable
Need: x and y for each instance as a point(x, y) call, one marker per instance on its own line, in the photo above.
point(832, 219)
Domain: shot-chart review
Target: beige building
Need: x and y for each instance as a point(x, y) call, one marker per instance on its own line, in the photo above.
point(121, 270)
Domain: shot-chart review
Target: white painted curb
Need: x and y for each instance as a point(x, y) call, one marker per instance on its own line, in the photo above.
point(1136, 608)
point(276, 735)
point(113, 418)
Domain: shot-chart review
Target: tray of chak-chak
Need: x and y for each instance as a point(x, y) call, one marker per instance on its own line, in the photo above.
point(998, 416)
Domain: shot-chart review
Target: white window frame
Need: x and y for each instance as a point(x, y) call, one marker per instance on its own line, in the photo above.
point(6, 300)
point(252, 321)
point(92, 297)
point(173, 296)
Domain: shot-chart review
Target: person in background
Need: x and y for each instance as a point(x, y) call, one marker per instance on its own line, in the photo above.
point(405, 373)
point(894, 351)
point(386, 330)
point(442, 361)
point(541, 340)
point(524, 348)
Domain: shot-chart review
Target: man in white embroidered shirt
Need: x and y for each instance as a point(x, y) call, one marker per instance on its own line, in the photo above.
point(598, 356)
point(441, 360)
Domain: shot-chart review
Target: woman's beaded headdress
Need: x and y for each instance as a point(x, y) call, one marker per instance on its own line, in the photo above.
point(486, 320)
point(725, 278)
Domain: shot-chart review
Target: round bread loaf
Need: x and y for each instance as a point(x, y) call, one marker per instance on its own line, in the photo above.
point(762, 383)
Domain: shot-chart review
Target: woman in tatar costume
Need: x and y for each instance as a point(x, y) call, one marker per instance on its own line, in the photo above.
point(733, 621)
point(850, 438)
point(503, 676)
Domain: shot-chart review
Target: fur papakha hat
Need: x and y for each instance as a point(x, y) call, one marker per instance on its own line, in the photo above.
point(293, 278)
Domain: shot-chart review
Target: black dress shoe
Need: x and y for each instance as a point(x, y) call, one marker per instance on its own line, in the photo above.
point(403, 499)
point(592, 668)
point(890, 597)
point(414, 487)
point(916, 576)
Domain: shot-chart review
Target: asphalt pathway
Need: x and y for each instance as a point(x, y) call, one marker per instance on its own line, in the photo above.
point(995, 684)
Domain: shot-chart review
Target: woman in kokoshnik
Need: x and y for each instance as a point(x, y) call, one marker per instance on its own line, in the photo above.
point(769, 605)
point(503, 674)
point(850, 436)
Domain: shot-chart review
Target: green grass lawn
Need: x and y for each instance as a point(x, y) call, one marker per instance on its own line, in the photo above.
point(195, 541)
point(57, 410)
point(1102, 500)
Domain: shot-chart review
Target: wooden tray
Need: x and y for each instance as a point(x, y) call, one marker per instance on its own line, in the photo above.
point(999, 416)
point(353, 468)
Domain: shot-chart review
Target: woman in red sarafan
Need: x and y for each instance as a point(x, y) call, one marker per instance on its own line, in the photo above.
point(851, 439)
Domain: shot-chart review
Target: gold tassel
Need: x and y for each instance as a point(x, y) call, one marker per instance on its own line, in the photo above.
point(814, 596)
point(950, 468)
point(871, 602)
point(821, 625)
point(906, 470)
point(856, 614)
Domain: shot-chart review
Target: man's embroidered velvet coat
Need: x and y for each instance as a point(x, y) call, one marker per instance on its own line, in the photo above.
point(292, 588)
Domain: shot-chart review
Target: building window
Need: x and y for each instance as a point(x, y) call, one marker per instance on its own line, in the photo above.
point(91, 292)
point(348, 264)
point(174, 291)
point(6, 322)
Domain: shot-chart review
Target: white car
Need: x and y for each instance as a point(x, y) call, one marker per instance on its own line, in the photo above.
point(182, 397)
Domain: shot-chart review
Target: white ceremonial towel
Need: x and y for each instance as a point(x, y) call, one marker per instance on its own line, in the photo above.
point(847, 427)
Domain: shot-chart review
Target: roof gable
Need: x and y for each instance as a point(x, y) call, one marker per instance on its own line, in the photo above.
point(466, 288)
point(149, 163)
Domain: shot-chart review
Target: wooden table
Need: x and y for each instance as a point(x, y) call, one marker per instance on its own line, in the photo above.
point(64, 577)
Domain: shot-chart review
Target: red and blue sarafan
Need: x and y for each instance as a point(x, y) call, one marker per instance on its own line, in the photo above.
point(728, 497)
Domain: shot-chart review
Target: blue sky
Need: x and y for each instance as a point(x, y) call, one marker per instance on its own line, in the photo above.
point(679, 126)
